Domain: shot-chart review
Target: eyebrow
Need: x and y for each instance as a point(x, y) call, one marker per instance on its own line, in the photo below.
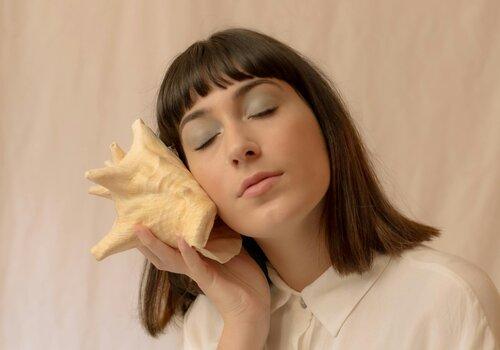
point(237, 94)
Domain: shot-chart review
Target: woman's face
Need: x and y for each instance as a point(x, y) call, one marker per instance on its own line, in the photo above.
point(288, 140)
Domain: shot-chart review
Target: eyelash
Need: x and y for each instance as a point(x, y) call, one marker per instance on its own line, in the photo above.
point(258, 115)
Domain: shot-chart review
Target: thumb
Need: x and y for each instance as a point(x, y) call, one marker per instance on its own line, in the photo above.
point(199, 269)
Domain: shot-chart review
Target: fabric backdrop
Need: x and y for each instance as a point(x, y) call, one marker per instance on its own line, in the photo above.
point(421, 79)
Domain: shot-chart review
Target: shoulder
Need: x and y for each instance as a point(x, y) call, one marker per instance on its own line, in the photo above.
point(453, 271)
point(452, 285)
point(202, 325)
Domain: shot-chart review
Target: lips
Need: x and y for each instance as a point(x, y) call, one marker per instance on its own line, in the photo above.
point(255, 178)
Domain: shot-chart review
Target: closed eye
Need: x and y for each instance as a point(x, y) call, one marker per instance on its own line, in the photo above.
point(266, 112)
point(258, 115)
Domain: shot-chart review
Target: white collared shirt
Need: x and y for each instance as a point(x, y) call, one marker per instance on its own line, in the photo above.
point(426, 299)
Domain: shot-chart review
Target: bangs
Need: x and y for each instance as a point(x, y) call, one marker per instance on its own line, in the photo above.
point(218, 63)
point(204, 66)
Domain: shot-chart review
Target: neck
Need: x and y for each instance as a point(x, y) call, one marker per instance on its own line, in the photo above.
point(297, 252)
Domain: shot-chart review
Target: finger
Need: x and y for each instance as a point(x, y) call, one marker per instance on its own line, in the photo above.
point(198, 268)
point(168, 257)
point(152, 242)
point(158, 247)
point(153, 259)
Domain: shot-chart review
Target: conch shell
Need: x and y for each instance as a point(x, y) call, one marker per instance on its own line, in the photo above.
point(150, 185)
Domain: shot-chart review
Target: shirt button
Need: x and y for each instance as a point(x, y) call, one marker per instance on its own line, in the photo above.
point(302, 303)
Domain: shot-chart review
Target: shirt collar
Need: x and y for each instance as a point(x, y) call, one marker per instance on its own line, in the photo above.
point(331, 297)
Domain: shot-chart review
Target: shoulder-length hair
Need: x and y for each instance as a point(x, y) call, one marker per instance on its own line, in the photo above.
point(358, 219)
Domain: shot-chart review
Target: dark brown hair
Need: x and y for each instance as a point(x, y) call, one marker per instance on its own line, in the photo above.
point(358, 218)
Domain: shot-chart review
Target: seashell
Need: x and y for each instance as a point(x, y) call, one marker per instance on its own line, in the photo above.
point(150, 185)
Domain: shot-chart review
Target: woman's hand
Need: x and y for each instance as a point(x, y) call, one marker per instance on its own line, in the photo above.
point(238, 288)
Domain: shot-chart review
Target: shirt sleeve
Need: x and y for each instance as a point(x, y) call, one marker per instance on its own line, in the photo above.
point(476, 313)
point(477, 333)
point(202, 326)
point(463, 310)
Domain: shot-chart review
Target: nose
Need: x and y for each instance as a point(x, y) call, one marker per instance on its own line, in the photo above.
point(241, 147)
point(237, 158)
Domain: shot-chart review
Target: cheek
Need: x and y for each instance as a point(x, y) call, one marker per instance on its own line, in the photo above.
point(209, 181)
point(302, 147)
point(220, 192)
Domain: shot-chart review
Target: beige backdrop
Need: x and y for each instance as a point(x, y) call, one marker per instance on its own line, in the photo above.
point(422, 80)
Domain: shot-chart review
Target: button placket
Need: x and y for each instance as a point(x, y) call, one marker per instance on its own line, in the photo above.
point(302, 303)
point(301, 324)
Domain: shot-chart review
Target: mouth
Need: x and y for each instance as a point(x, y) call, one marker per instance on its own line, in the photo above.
point(261, 187)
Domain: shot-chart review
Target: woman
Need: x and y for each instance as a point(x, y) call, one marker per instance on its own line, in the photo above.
point(327, 261)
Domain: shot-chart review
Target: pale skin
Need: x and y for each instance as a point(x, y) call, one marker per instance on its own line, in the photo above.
point(284, 221)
